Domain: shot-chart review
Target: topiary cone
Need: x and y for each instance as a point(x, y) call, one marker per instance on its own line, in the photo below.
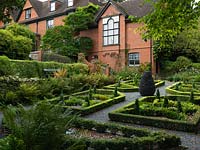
point(147, 86)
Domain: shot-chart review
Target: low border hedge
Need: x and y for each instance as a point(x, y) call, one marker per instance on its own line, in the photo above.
point(187, 126)
point(95, 107)
point(135, 89)
point(170, 90)
point(140, 139)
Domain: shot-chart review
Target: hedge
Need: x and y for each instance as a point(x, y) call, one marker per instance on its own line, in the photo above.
point(129, 137)
point(135, 89)
point(31, 69)
point(171, 90)
point(95, 107)
point(188, 126)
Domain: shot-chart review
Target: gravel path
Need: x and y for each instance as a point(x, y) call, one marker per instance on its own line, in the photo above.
point(190, 140)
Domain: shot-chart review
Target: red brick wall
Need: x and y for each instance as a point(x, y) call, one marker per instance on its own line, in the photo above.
point(130, 41)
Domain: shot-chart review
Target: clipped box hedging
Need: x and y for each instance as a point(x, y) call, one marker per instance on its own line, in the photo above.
point(187, 126)
point(95, 107)
point(134, 88)
point(128, 137)
point(31, 69)
point(171, 90)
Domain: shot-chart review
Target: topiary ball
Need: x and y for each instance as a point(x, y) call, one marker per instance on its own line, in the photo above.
point(147, 86)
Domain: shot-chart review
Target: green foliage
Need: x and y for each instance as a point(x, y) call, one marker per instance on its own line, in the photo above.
point(181, 64)
point(192, 97)
point(128, 73)
point(179, 106)
point(5, 64)
point(115, 91)
point(16, 42)
point(55, 57)
point(84, 43)
point(60, 40)
point(137, 107)
point(166, 102)
point(87, 100)
point(81, 18)
point(169, 22)
point(90, 94)
point(187, 44)
point(6, 42)
point(158, 94)
point(21, 30)
point(30, 69)
point(7, 6)
point(95, 89)
point(32, 127)
point(22, 48)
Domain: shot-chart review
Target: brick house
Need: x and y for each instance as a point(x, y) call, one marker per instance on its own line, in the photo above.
point(117, 41)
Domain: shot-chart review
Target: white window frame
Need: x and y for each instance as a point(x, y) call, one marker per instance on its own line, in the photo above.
point(70, 3)
point(111, 31)
point(134, 59)
point(28, 13)
point(50, 23)
point(52, 6)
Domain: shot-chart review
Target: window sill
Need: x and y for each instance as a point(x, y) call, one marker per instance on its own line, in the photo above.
point(111, 45)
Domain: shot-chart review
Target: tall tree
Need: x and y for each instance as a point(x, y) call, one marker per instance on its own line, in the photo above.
point(7, 6)
point(166, 20)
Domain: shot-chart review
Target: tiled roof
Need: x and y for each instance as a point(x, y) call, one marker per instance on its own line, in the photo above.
point(42, 8)
point(136, 8)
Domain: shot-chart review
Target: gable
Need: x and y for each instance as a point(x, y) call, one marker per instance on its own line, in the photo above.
point(111, 8)
point(27, 6)
point(110, 11)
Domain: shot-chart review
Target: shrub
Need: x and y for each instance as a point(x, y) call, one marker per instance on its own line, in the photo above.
point(182, 63)
point(136, 107)
point(6, 68)
point(158, 94)
point(30, 69)
point(165, 103)
point(179, 106)
point(192, 97)
point(147, 86)
point(55, 57)
point(115, 91)
point(33, 126)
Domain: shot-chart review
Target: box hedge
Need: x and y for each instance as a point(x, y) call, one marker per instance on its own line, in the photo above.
point(140, 139)
point(135, 88)
point(31, 69)
point(95, 107)
point(172, 90)
point(188, 126)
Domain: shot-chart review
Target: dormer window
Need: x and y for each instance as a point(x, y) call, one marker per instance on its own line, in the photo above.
point(70, 3)
point(52, 6)
point(50, 23)
point(28, 13)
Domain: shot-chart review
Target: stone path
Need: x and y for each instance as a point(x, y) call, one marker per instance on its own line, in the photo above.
point(190, 140)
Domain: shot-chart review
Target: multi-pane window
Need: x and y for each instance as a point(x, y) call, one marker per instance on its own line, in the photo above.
point(50, 23)
point(111, 30)
point(53, 6)
point(70, 3)
point(28, 13)
point(133, 59)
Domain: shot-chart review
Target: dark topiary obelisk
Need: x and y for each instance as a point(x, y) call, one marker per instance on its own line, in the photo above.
point(147, 86)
